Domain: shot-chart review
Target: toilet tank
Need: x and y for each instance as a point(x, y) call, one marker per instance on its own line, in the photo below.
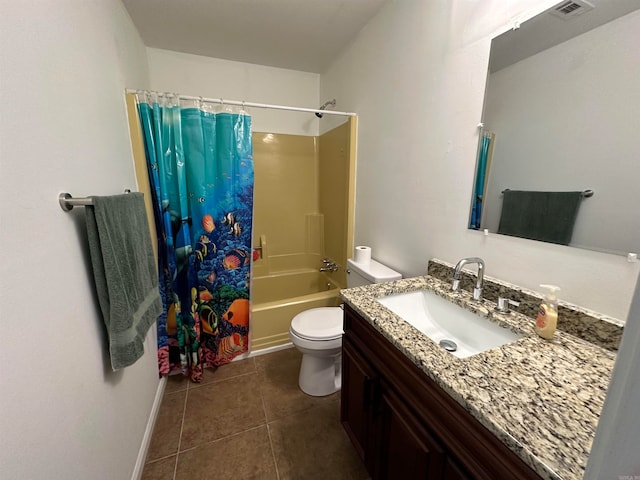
point(373, 272)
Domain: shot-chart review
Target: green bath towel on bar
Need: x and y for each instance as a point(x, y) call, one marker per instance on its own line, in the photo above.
point(546, 216)
point(125, 273)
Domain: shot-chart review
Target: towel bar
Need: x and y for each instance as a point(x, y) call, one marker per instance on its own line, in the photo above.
point(67, 202)
point(585, 193)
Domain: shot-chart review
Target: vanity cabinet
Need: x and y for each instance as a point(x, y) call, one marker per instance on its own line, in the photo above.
point(406, 449)
point(403, 425)
point(356, 406)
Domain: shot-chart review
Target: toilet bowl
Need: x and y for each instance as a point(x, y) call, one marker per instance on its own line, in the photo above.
point(317, 333)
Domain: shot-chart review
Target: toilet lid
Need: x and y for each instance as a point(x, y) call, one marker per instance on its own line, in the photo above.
point(323, 323)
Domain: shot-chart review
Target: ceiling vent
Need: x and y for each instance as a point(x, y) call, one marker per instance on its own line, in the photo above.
point(570, 9)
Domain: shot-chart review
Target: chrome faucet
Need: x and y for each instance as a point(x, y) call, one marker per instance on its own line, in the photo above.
point(477, 291)
point(329, 265)
point(503, 304)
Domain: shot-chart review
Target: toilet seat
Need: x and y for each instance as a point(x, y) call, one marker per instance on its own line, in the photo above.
point(318, 324)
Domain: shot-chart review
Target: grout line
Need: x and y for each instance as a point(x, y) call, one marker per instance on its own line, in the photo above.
point(156, 460)
point(198, 385)
point(273, 453)
point(224, 438)
point(186, 390)
point(215, 382)
point(184, 410)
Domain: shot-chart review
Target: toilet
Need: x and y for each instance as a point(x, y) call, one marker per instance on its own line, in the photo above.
point(317, 333)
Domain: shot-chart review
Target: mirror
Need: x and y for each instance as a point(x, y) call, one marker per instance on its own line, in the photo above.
point(562, 114)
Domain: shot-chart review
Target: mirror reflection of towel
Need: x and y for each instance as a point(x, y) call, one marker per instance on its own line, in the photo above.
point(545, 216)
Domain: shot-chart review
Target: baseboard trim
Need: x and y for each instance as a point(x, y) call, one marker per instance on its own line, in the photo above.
point(151, 423)
point(264, 351)
point(270, 341)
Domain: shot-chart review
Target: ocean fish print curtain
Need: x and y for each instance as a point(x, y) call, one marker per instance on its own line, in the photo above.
point(200, 164)
point(482, 171)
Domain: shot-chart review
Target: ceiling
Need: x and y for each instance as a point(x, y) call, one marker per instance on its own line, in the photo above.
point(545, 31)
point(303, 35)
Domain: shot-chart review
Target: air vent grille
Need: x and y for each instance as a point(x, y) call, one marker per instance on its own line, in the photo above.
point(570, 9)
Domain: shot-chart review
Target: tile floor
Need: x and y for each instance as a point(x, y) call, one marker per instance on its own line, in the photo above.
point(249, 420)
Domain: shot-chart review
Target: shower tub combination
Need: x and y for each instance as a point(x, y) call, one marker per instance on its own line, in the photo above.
point(277, 298)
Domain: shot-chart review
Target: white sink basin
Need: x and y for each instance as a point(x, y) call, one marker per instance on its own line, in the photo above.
point(440, 320)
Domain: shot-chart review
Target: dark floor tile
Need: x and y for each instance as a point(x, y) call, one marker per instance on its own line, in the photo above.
point(159, 470)
point(243, 456)
point(166, 433)
point(230, 370)
point(176, 383)
point(313, 445)
point(221, 409)
point(308, 439)
point(278, 373)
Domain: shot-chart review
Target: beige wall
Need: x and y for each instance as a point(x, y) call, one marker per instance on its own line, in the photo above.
point(303, 211)
point(286, 201)
point(334, 182)
point(140, 166)
point(303, 199)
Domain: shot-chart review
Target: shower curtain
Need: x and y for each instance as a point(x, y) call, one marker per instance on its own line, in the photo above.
point(482, 170)
point(200, 166)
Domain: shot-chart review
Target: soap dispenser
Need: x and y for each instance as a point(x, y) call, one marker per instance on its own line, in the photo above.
point(547, 319)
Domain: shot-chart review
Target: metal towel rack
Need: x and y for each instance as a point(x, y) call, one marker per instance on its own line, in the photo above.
point(585, 193)
point(67, 202)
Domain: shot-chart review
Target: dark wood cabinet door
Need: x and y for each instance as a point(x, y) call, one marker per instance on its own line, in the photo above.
point(408, 450)
point(358, 378)
point(453, 471)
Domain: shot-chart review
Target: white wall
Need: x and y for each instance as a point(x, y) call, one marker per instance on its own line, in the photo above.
point(566, 119)
point(64, 68)
point(216, 78)
point(416, 76)
point(615, 449)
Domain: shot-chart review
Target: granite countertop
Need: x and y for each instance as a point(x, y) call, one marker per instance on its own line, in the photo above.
point(541, 398)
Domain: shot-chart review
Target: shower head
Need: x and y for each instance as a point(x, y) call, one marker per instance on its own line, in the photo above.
point(325, 105)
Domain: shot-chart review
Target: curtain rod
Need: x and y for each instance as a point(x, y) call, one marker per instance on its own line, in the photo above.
point(222, 101)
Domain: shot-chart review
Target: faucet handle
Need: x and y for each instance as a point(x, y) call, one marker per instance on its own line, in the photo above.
point(503, 304)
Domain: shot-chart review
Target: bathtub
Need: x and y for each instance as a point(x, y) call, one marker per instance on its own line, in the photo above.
point(277, 298)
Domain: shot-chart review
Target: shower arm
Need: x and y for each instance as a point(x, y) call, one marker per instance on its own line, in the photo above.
point(324, 106)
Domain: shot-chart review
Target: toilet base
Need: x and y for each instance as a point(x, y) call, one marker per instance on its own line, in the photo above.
point(320, 376)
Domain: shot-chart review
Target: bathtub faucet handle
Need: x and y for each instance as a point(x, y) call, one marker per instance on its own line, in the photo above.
point(329, 265)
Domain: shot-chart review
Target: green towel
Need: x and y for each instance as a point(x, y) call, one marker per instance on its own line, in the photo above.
point(125, 273)
point(545, 216)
